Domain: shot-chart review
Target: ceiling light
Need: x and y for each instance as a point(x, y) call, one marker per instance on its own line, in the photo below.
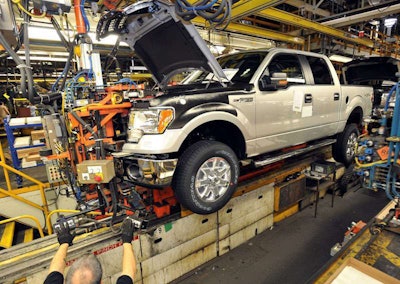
point(389, 22)
point(44, 58)
point(41, 33)
point(340, 58)
point(374, 22)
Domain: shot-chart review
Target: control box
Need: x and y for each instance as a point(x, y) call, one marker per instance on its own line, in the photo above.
point(54, 174)
point(53, 7)
point(8, 26)
point(95, 171)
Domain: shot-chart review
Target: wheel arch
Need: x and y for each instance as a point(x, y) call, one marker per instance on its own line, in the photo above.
point(218, 130)
point(356, 116)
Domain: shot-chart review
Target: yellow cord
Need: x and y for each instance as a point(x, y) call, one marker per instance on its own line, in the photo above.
point(18, 3)
point(369, 164)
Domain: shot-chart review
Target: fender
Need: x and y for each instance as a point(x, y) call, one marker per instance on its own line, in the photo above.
point(355, 102)
point(182, 119)
point(216, 115)
point(171, 140)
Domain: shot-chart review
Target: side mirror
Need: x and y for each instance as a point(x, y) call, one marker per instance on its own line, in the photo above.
point(274, 82)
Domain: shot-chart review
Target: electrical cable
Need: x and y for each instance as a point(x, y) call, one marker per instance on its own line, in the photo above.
point(110, 58)
point(83, 123)
point(215, 12)
point(58, 28)
point(85, 19)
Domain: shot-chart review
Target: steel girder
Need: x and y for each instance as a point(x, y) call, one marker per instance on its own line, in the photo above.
point(255, 31)
point(294, 20)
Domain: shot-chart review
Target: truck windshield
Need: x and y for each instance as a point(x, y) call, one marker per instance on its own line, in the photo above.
point(238, 68)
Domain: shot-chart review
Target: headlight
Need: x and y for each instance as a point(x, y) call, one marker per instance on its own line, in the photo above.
point(152, 121)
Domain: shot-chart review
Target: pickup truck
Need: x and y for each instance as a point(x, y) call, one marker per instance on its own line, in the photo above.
point(194, 135)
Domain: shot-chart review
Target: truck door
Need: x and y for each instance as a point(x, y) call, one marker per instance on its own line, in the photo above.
point(325, 95)
point(283, 115)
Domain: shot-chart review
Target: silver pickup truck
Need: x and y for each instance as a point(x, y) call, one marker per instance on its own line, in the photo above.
point(194, 135)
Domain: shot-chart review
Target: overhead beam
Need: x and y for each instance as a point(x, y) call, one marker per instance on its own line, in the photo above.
point(254, 31)
point(361, 17)
point(249, 7)
point(294, 20)
point(307, 7)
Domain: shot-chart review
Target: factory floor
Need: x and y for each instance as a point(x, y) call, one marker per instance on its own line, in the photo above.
point(294, 249)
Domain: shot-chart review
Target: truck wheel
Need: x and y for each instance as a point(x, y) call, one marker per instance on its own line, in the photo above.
point(206, 176)
point(344, 149)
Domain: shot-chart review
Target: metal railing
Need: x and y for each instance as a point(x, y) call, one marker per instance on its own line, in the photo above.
point(25, 217)
point(14, 193)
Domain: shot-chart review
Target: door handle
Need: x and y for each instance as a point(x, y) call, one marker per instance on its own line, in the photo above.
point(336, 96)
point(308, 98)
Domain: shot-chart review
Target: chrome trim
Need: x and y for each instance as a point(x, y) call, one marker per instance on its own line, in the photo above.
point(153, 172)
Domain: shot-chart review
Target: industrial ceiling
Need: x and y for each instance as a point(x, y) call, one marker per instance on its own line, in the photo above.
point(352, 28)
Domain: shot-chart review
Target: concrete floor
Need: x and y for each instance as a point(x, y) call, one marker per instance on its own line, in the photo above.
point(295, 248)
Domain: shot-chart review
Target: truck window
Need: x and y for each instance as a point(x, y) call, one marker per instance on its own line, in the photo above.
point(320, 71)
point(289, 64)
point(245, 63)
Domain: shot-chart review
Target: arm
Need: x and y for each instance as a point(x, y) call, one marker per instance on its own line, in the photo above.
point(128, 261)
point(65, 239)
point(128, 257)
point(58, 261)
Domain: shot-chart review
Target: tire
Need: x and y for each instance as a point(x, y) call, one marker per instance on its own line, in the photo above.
point(344, 149)
point(197, 184)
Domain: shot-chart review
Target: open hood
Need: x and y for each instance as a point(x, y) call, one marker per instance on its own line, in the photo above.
point(164, 42)
point(365, 70)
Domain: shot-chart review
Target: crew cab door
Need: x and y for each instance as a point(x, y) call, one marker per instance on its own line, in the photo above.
point(324, 87)
point(295, 114)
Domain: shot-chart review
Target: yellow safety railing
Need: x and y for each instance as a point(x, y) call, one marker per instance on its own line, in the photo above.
point(25, 217)
point(13, 193)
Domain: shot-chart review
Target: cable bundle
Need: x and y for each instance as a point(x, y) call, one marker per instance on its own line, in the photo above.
point(214, 11)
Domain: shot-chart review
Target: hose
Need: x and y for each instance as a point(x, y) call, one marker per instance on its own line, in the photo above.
point(388, 97)
point(28, 69)
point(20, 63)
point(63, 74)
point(84, 124)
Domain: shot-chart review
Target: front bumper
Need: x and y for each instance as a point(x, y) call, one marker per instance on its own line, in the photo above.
point(150, 172)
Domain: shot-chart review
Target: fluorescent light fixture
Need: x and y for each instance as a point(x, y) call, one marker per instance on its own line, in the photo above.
point(340, 58)
point(41, 33)
point(374, 22)
point(43, 58)
point(389, 22)
point(43, 53)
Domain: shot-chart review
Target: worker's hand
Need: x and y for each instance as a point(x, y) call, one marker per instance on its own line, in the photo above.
point(64, 235)
point(127, 230)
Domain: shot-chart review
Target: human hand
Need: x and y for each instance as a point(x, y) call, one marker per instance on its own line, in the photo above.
point(64, 235)
point(127, 230)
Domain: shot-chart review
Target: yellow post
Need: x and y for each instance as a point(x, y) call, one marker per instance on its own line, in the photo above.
point(3, 161)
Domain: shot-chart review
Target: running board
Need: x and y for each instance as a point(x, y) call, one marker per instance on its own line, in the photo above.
point(270, 159)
